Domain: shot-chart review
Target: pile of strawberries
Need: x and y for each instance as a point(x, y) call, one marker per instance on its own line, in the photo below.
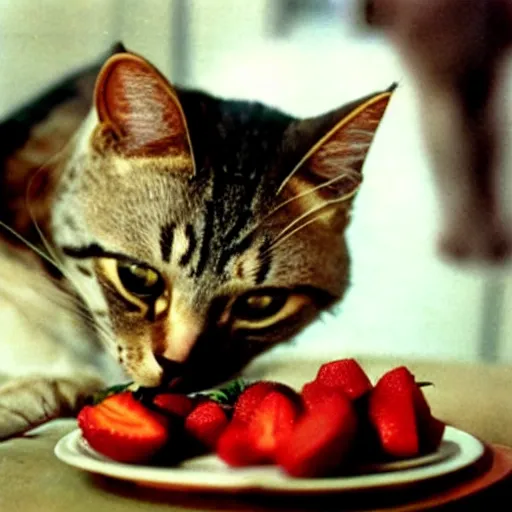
point(337, 421)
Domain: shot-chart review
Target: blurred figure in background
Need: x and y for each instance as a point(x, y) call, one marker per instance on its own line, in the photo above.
point(455, 50)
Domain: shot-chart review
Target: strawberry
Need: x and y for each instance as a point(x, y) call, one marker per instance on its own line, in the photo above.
point(430, 429)
point(234, 447)
point(123, 429)
point(251, 397)
point(206, 423)
point(314, 393)
point(321, 438)
point(396, 406)
point(346, 375)
point(174, 403)
point(271, 423)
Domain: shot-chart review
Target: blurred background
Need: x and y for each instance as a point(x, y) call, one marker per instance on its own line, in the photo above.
point(305, 57)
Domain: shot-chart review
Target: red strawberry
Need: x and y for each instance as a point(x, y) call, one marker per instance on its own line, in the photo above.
point(314, 393)
point(234, 447)
point(392, 413)
point(123, 429)
point(271, 423)
point(430, 429)
point(251, 397)
point(206, 423)
point(320, 440)
point(346, 375)
point(174, 403)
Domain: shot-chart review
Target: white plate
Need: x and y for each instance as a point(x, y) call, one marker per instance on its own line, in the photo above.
point(208, 473)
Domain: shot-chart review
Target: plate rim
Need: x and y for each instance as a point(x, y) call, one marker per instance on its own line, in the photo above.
point(267, 479)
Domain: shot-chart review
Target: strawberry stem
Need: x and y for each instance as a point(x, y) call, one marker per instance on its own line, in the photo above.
point(423, 384)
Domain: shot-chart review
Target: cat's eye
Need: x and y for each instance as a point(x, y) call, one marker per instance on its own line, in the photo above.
point(143, 282)
point(258, 306)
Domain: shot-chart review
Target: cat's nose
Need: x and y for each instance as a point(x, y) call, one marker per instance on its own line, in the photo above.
point(179, 341)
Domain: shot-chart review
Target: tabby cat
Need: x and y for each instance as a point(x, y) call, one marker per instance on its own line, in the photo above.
point(179, 233)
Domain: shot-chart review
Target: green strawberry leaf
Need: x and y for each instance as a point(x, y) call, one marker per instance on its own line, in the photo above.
point(226, 395)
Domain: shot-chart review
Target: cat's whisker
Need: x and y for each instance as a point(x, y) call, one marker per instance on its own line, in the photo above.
point(314, 209)
point(72, 303)
point(278, 242)
point(46, 288)
point(350, 174)
point(64, 297)
point(29, 244)
point(350, 145)
point(318, 212)
point(57, 261)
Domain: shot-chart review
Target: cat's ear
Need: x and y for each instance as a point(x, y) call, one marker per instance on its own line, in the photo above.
point(139, 110)
point(329, 171)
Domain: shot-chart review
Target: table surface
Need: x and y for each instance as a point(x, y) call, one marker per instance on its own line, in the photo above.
point(33, 479)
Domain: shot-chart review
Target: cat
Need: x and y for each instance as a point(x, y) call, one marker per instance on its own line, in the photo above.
point(456, 52)
point(164, 235)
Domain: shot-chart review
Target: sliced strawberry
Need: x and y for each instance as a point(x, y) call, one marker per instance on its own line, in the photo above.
point(123, 429)
point(346, 375)
point(392, 413)
point(271, 423)
point(314, 393)
point(430, 429)
point(251, 397)
point(206, 423)
point(234, 447)
point(320, 440)
point(174, 403)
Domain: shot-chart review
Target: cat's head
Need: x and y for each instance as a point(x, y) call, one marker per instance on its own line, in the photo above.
point(203, 231)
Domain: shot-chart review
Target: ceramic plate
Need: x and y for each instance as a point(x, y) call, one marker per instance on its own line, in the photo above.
point(208, 473)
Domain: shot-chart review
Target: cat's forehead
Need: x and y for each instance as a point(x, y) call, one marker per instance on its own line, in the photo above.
point(200, 223)
point(235, 137)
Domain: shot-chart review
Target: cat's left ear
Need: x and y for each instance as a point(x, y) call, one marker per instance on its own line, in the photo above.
point(139, 111)
point(329, 172)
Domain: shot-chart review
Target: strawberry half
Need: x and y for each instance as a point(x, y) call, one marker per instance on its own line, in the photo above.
point(252, 396)
point(401, 416)
point(321, 438)
point(346, 375)
point(271, 423)
point(430, 429)
point(206, 423)
point(123, 429)
point(234, 447)
point(314, 393)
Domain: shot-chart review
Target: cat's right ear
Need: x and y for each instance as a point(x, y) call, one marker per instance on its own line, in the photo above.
point(139, 111)
point(332, 149)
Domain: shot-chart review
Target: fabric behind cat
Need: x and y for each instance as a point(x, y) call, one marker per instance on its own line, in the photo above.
point(174, 236)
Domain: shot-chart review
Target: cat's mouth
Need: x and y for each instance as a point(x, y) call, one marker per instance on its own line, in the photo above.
point(187, 377)
point(173, 372)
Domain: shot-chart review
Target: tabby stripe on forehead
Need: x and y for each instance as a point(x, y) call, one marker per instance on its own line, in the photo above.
point(206, 239)
point(166, 241)
point(242, 219)
point(233, 250)
point(264, 261)
point(192, 244)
